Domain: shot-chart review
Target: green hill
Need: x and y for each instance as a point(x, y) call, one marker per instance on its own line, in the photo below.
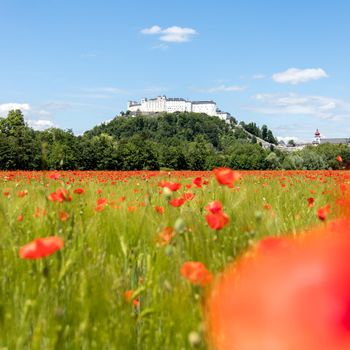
point(179, 141)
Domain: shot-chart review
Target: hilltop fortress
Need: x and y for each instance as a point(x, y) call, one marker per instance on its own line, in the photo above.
point(171, 105)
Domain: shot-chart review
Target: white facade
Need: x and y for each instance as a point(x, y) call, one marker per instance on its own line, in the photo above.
point(171, 105)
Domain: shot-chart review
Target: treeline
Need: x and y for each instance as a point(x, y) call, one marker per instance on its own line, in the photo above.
point(178, 141)
point(263, 133)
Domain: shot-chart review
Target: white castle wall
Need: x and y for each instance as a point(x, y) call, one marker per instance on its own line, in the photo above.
point(170, 105)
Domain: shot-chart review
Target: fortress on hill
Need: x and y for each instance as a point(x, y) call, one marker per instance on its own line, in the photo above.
point(170, 105)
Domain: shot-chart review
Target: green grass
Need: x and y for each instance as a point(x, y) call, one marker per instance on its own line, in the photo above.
point(74, 299)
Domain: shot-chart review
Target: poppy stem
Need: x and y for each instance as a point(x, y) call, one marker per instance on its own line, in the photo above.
point(46, 269)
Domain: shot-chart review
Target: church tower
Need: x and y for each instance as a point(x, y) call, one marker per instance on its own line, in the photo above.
point(317, 139)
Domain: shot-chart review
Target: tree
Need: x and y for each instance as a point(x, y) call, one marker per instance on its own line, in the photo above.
point(313, 161)
point(270, 138)
point(19, 147)
point(198, 153)
point(273, 161)
point(264, 131)
point(293, 162)
point(291, 143)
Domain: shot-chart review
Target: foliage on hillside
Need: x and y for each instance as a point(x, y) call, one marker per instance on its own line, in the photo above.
point(176, 141)
point(264, 132)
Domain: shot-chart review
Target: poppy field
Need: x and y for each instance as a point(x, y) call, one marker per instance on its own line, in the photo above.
point(129, 260)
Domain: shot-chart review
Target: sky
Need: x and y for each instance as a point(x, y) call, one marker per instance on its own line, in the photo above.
point(75, 64)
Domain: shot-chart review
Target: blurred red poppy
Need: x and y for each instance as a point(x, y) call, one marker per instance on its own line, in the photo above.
point(60, 195)
point(218, 220)
point(177, 202)
point(41, 247)
point(63, 215)
point(198, 182)
point(165, 236)
point(323, 212)
point(79, 191)
point(128, 297)
point(22, 194)
point(188, 196)
point(226, 176)
point(172, 186)
point(159, 209)
point(196, 273)
point(214, 207)
point(54, 176)
point(286, 294)
point(310, 202)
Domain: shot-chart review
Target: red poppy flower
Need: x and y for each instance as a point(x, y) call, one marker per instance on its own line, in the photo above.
point(63, 215)
point(323, 212)
point(165, 236)
point(311, 202)
point(343, 188)
point(22, 194)
point(41, 247)
point(217, 221)
point(172, 186)
point(101, 204)
point(188, 196)
point(60, 195)
point(196, 273)
point(226, 176)
point(286, 294)
point(101, 201)
point(214, 207)
point(159, 209)
point(267, 206)
point(79, 191)
point(177, 202)
point(54, 176)
point(339, 159)
point(128, 297)
point(198, 182)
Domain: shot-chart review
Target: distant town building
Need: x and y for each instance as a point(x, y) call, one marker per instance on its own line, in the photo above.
point(334, 141)
point(171, 105)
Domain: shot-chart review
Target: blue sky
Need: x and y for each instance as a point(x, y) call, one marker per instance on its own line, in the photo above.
point(75, 64)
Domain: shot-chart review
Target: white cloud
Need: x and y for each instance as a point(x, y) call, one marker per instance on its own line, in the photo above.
point(40, 124)
point(259, 76)
point(221, 88)
point(6, 107)
point(322, 107)
point(43, 112)
point(160, 46)
point(285, 139)
point(57, 106)
point(151, 30)
point(174, 34)
point(296, 76)
point(28, 111)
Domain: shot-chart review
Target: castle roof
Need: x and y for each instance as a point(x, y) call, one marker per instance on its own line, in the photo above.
point(203, 102)
point(336, 141)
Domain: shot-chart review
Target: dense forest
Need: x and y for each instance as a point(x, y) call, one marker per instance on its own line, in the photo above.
point(176, 141)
